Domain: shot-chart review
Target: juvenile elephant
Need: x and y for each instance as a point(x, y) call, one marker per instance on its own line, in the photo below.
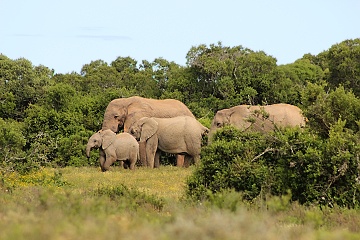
point(123, 112)
point(123, 147)
point(258, 118)
point(179, 135)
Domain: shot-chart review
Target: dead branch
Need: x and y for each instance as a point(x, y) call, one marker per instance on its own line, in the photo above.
point(261, 154)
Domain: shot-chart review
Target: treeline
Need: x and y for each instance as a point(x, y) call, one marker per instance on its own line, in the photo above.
point(46, 118)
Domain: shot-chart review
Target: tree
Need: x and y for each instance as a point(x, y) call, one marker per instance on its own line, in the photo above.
point(21, 84)
point(324, 109)
point(292, 79)
point(12, 142)
point(234, 75)
point(99, 76)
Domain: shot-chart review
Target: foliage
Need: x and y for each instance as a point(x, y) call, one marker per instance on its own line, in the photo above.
point(344, 65)
point(324, 109)
point(12, 142)
point(222, 167)
point(234, 75)
point(315, 170)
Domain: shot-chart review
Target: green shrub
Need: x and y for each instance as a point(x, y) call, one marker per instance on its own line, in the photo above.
point(226, 164)
point(314, 170)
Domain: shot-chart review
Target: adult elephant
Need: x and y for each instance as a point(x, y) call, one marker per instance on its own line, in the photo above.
point(123, 112)
point(258, 118)
point(179, 135)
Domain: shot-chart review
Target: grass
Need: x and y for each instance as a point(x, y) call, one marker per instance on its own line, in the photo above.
point(84, 203)
point(167, 182)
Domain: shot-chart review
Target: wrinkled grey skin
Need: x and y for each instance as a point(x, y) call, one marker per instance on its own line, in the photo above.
point(122, 147)
point(178, 135)
point(124, 112)
point(258, 118)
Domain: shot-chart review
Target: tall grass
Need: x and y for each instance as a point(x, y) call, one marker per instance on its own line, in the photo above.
point(84, 203)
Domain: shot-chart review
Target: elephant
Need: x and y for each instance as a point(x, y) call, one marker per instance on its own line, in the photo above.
point(123, 112)
point(258, 118)
point(178, 135)
point(122, 146)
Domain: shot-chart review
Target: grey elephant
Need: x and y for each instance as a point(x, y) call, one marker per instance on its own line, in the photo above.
point(258, 118)
point(122, 147)
point(123, 112)
point(179, 135)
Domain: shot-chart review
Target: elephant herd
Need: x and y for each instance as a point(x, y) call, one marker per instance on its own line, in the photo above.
point(152, 126)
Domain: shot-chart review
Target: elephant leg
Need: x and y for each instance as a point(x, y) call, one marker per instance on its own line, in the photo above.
point(150, 154)
point(157, 159)
point(187, 161)
point(122, 164)
point(102, 158)
point(132, 163)
point(110, 160)
point(142, 153)
point(180, 160)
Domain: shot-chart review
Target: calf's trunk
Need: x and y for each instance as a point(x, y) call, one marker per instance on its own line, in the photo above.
point(88, 149)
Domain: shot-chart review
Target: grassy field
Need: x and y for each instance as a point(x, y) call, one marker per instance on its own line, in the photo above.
point(84, 203)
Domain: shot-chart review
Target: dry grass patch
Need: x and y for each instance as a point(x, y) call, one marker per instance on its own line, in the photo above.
point(167, 181)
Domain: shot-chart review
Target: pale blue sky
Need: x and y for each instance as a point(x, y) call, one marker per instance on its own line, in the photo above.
point(64, 35)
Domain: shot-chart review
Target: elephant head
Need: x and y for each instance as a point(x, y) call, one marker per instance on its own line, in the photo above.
point(239, 116)
point(144, 129)
point(221, 119)
point(102, 138)
point(114, 118)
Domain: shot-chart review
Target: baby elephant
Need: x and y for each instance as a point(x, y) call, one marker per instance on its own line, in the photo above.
point(114, 147)
point(179, 135)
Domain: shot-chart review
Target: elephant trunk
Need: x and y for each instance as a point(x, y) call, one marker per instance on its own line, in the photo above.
point(88, 149)
point(142, 153)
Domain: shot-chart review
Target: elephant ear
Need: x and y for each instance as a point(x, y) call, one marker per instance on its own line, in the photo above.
point(240, 119)
point(148, 128)
point(108, 138)
point(227, 119)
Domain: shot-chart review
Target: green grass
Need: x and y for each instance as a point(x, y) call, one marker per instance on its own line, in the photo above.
point(84, 203)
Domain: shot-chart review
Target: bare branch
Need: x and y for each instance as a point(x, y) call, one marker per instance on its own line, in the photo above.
point(261, 154)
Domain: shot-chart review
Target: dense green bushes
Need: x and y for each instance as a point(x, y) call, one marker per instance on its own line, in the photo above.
point(315, 170)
